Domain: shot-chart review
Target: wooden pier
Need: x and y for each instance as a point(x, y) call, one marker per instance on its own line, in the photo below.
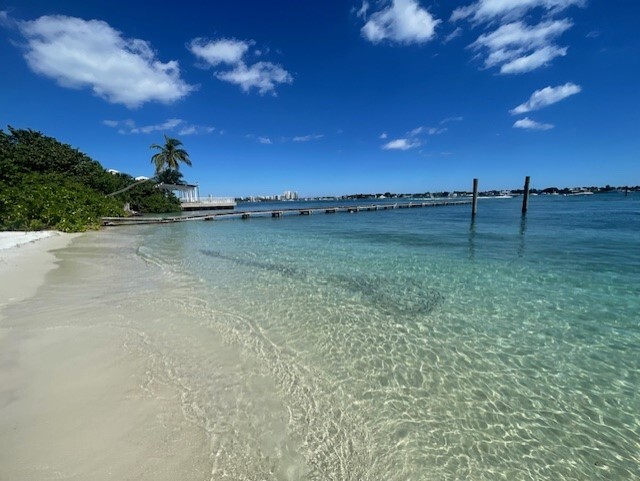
point(248, 214)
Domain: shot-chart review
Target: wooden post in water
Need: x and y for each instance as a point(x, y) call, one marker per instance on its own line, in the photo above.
point(525, 199)
point(474, 204)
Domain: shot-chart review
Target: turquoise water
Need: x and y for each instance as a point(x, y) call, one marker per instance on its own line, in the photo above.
point(399, 345)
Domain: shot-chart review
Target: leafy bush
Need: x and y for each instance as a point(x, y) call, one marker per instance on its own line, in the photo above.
point(51, 201)
point(47, 184)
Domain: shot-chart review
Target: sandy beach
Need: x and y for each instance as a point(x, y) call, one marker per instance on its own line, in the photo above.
point(25, 259)
point(75, 403)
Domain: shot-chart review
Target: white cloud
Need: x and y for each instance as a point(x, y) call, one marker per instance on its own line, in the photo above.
point(5, 19)
point(263, 76)
point(402, 21)
point(546, 96)
point(401, 144)
point(195, 129)
point(265, 140)
point(383, 135)
point(514, 46)
point(456, 33)
point(362, 12)
point(517, 35)
point(129, 126)
point(518, 48)
point(307, 138)
point(488, 10)
point(188, 130)
point(538, 58)
point(426, 130)
point(225, 50)
point(167, 125)
point(81, 53)
point(529, 124)
point(451, 119)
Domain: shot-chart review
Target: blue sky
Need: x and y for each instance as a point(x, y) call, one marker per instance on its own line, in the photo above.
point(334, 97)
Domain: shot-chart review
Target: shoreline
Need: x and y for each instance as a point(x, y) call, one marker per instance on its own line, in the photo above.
point(25, 260)
point(79, 395)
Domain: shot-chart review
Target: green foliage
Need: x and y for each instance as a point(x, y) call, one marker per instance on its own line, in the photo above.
point(28, 151)
point(145, 197)
point(170, 155)
point(170, 176)
point(48, 184)
point(52, 201)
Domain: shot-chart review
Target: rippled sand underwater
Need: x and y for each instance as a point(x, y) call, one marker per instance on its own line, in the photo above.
point(395, 345)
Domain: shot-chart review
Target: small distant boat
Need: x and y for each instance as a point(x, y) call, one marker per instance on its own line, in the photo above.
point(571, 194)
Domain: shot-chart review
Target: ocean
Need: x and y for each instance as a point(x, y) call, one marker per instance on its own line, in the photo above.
point(407, 344)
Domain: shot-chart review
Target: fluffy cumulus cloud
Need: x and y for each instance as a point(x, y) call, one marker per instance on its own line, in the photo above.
point(225, 50)
point(529, 124)
point(179, 126)
point(91, 54)
point(514, 46)
point(401, 21)
point(546, 96)
point(401, 144)
point(262, 76)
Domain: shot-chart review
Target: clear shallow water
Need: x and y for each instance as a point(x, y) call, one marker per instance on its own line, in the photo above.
point(396, 345)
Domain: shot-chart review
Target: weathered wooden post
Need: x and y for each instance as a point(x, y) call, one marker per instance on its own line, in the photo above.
point(525, 199)
point(474, 204)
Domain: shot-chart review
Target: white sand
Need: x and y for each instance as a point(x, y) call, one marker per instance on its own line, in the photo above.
point(74, 403)
point(14, 239)
point(25, 259)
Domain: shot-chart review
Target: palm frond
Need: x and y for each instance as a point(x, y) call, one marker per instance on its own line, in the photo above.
point(170, 155)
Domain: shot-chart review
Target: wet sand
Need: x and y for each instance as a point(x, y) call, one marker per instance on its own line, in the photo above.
point(75, 403)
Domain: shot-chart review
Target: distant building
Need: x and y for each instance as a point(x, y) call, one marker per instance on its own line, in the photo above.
point(290, 195)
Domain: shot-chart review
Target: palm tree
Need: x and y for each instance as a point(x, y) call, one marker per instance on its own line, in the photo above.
point(169, 156)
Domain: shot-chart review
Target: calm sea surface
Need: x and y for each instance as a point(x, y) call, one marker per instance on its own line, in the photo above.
point(396, 345)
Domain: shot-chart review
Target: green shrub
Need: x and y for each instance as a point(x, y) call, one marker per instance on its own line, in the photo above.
point(53, 202)
point(45, 184)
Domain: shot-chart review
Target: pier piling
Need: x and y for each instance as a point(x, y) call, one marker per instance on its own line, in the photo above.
point(525, 199)
point(474, 203)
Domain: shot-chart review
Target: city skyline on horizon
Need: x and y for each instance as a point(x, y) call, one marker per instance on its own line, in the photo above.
point(334, 99)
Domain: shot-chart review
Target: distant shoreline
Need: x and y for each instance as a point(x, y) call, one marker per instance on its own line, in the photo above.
point(447, 194)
